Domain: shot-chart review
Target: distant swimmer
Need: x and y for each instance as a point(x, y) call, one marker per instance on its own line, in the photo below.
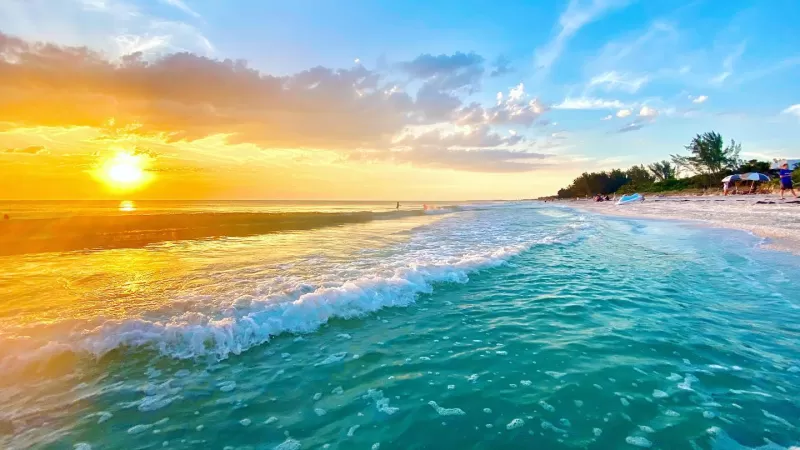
point(398, 206)
point(6, 217)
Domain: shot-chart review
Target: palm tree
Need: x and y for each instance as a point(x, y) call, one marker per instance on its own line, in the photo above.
point(663, 170)
point(708, 155)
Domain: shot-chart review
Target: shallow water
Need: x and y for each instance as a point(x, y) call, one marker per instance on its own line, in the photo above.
point(507, 326)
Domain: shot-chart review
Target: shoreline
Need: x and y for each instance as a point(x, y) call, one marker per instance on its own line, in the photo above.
point(777, 222)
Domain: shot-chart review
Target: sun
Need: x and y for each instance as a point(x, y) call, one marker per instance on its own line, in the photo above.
point(124, 172)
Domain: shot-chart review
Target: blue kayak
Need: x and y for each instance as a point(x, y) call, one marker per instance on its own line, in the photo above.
point(625, 199)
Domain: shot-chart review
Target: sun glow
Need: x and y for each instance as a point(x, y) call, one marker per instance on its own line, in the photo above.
point(124, 172)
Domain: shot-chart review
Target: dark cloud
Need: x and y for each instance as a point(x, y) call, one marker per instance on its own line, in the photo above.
point(446, 72)
point(501, 66)
point(633, 126)
point(434, 105)
point(32, 150)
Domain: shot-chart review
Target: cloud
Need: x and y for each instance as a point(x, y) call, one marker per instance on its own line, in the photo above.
point(633, 126)
point(699, 99)
point(115, 27)
point(481, 137)
point(502, 66)
point(183, 7)
point(768, 70)
point(646, 116)
point(477, 160)
point(727, 64)
point(608, 117)
point(793, 110)
point(647, 111)
point(435, 105)
point(187, 97)
point(622, 113)
point(446, 72)
point(589, 103)
point(577, 15)
point(515, 108)
point(614, 80)
point(32, 150)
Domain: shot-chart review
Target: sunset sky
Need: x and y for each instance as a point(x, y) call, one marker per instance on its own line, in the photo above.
point(373, 99)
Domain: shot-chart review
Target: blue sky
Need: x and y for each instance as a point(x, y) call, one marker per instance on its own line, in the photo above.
point(604, 83)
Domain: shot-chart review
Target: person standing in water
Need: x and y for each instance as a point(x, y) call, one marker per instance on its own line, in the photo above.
point(398, 206)
point(786, 180)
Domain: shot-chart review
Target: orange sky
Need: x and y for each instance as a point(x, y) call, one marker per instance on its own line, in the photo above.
point(204, 128)
point(61, 162)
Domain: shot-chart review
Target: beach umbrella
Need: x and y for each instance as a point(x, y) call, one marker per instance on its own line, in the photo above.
point(754, 176)
point(734, 177)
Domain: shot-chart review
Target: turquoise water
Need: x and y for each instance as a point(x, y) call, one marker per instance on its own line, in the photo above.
point(503, 326)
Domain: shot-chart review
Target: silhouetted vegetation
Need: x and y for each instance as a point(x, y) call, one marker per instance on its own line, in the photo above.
point(708, 162)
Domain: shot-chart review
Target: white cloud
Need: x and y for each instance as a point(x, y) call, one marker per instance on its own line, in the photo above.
point(699, 99)
point(793, 110)
point(516, 92)
point(183, 7)
point(614, 80)
point(727, 64)
point(647, 111)
point(131, 43)
point(608, 117)
point(622, 113)
point(719, 79)
point(576, 16)
point(589, 103)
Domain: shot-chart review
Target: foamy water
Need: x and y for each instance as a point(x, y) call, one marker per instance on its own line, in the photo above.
point(501, 326)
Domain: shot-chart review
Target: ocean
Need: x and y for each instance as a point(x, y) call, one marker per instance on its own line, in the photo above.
point(310, 325)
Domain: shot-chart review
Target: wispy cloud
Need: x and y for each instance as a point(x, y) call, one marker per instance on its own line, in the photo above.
point(768, 70)
point(728, 63)
point(699, 99)
point(115, 27)
point(589, 103)
point(608, 117)
point(577, 15)
point(633, 126)
point(183, 7)
point(622, 113)
point(32, 150)
point(613, 80)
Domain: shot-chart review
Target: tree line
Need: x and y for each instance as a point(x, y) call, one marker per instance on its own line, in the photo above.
point(708, 161)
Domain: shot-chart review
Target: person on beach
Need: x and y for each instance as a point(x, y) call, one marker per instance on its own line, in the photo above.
point(398, 205)
point(726, 185)
point(786, 180)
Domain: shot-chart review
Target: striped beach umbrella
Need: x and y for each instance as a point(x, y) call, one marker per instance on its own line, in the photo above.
point(754, 176)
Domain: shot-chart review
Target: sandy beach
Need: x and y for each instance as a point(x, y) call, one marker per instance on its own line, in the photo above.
point(763, 215)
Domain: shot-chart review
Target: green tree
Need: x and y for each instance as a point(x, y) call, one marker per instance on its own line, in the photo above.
point(754, 165)
point(663, 170)
point(639, 176)
point(708, 155)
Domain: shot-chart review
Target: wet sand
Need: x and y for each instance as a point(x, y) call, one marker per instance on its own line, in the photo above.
point(763, 215)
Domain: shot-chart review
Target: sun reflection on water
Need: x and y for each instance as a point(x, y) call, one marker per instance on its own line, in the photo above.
point(127, 206)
